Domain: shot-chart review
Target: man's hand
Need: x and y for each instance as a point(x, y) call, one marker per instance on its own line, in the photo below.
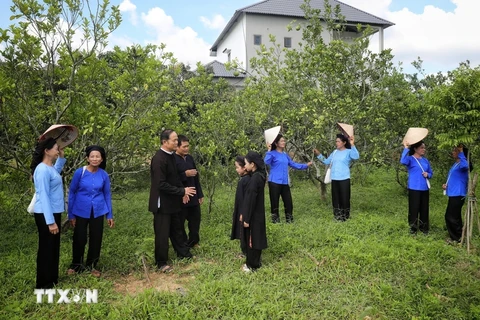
point(185, 199)
point(190, 191)
point(200, 201)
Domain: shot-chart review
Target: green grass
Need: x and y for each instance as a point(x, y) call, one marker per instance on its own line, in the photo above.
point(366, 268)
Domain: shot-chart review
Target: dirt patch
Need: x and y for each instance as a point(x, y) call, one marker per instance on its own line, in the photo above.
point(175, 281)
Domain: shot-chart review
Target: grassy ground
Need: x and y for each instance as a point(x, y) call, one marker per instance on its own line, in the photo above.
point(367, 268)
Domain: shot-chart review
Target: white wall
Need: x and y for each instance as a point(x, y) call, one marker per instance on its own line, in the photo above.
point(241, 36)
point(266, 25)
point(235, 41)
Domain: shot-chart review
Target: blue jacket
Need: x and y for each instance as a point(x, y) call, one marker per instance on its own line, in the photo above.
point(416, 181)
point(340, 161)
point(279, 162)
point(49, 190)
point(90, 190)
point(457, 184)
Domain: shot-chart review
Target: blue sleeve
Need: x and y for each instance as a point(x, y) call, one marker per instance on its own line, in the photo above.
point(321, 157)
point(72, 193)
point(404, 159)
point(463, 162)
point(269, 158)
point(295, 165)
point(42, 188)
point(354, 155)
point(107, 195)
point(328, 160)
point(429, 170)
point(59, 164)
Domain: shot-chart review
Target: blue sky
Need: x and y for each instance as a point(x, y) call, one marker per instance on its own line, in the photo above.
point(442, 32)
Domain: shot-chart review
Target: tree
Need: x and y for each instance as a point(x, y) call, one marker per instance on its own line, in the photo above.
point(308, 90)
point(42, 56)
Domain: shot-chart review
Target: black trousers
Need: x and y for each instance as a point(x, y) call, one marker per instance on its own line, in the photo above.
point(418, 210)
point(168, 226)
point(91, 230)
point(276, 191)
point(453, 217)
point(253, 255)
point(48, 254)
point(193, 216)
point(341, 192)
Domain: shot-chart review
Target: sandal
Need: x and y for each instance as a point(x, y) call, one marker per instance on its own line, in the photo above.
point(71, 271)
point(96, 273)
point(165, 269)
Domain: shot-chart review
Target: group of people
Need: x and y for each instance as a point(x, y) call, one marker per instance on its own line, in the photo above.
point(248, 223)
point(176, 196)
point(455, 187)
point(89, 204)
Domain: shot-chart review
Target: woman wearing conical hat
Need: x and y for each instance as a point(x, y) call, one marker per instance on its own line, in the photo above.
point(278, 179)
point(419, 173)
point(456, 188)
point(340, 160)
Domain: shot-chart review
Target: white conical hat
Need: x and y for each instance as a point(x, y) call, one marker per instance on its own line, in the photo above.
point(271, 134)
point(64, 134)
point(346, 129)
point(415, 135)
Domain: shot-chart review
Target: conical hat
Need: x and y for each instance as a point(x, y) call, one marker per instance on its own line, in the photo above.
point(64, 134)
point(271, 134)
point(346, 129)
point(415, 135)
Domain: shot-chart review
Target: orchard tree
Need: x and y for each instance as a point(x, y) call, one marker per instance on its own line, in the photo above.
point(326, 81)
point(41, 57)
point(456, 105)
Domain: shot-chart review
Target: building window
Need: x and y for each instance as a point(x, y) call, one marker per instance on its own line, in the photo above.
point(287, 42)
point(257, 39)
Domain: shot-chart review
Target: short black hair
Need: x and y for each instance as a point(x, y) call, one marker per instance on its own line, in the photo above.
point(165, 135)
point(182, 138)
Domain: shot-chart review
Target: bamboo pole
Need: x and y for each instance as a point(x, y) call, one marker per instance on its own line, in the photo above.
point(470, 212)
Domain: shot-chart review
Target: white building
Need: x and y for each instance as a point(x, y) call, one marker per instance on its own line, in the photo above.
point(252, 26)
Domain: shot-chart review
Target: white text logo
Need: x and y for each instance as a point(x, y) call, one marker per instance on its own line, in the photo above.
point(67, 295)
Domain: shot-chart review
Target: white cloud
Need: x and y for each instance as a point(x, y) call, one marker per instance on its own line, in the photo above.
point(121, 41)
point(185, 43)
point(127, 6)
point(218, 22)
point(440, 38)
